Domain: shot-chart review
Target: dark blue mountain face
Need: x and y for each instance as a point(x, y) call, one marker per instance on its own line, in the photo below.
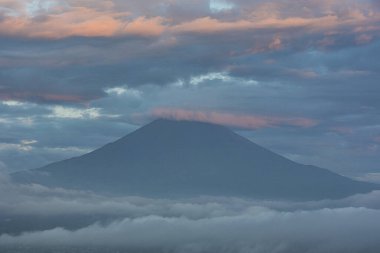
point(183, 158)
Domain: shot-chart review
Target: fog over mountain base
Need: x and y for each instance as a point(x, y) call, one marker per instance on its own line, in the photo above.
point(39, 219)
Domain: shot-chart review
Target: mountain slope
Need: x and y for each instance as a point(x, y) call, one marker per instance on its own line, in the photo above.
point(182, 158)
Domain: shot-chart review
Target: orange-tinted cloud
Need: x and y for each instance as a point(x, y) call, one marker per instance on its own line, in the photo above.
point(233, 120)
point(211, 25)
point(80, 21)
point(105, 18)
point(145, 26)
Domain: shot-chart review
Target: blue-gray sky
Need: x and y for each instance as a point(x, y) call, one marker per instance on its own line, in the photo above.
point(299, 77)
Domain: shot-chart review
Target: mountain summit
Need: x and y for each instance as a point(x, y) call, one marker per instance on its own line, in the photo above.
point(169, 158)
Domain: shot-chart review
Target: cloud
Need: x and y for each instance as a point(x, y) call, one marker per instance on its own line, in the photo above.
point(145, 26)
point(28, 142)
point(211, 25)
point(66, 19)
point(229, 119)
point(220, 5)
point(203, 224)
point(60, 21)
point(256, 230)
point(370, 177)
point(194, 225)
point(74, 113)
point(112, 44)
point(124, 91)
point(44, 96)
point(34, 199)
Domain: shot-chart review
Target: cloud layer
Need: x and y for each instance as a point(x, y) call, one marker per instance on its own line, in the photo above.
point(257, 230)
point(108, 44)
point(204, 224)
point(59, 19)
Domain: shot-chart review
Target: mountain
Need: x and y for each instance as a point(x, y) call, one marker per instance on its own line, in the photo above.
point(169, 158)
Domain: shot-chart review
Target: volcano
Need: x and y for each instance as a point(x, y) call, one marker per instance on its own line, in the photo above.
point(168, 158)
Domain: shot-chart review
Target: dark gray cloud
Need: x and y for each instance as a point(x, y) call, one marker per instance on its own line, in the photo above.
point(75, 69)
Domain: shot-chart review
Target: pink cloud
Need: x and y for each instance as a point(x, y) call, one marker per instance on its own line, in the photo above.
point(342, 130)
point(326, 42)
point(108, 18)
point(376, 139)
point(276, 43)
point(81, 21)
point(327, 18)
point(233, 120)
point(364, 38)
point(256, 22)
point(145, 26)
point(210, 25)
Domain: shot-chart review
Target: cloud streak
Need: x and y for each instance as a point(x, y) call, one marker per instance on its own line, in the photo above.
point(233, 120)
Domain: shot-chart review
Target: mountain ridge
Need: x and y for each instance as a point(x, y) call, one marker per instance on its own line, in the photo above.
point(168, 158)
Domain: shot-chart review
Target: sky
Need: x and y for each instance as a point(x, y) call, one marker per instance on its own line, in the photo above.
point(299, 77)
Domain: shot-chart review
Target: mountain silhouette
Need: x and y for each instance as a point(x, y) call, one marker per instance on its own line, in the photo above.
point(168, 158)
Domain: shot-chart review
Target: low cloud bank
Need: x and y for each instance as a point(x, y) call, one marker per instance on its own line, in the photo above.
point(204, 224)
point(253, 230)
